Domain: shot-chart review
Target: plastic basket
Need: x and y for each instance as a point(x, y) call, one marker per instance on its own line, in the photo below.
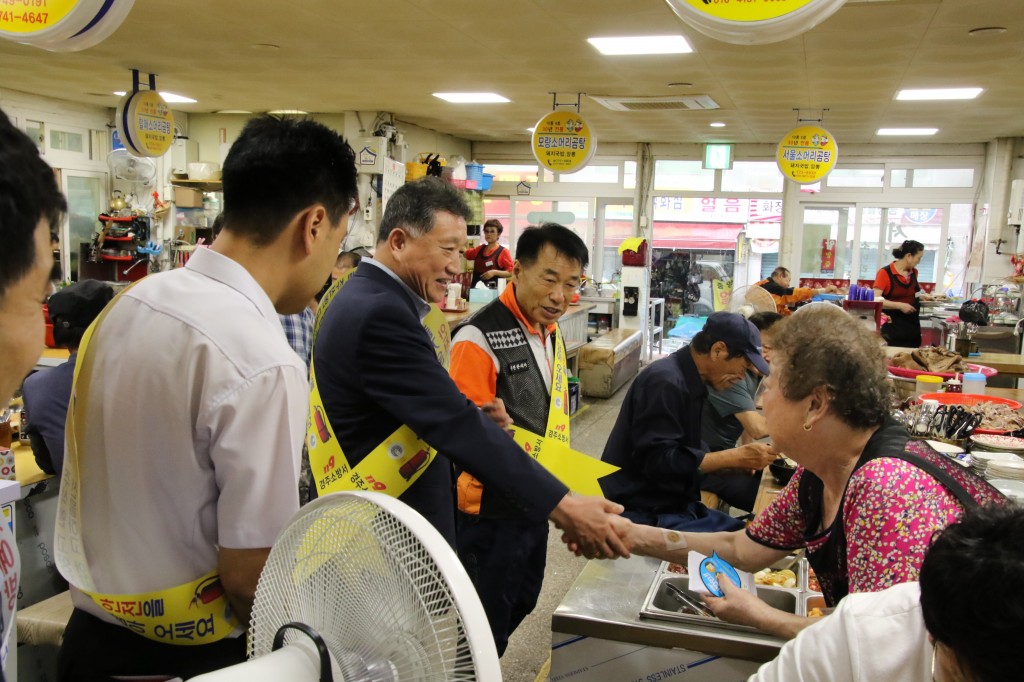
point(475, 173)
point(486, 182)
point(415, 171)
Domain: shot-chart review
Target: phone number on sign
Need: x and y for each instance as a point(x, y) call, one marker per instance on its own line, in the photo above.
point(26, 3)
point(24, 17)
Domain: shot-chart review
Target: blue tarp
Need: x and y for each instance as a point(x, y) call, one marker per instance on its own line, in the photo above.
point(687, 327)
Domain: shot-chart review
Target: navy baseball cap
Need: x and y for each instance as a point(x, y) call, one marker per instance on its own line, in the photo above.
point(739, 334)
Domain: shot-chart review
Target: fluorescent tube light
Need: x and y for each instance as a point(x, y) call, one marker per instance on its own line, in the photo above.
point(471, 97)
point(169, 97)
point(907, 131)
point(928, 94)
point(717, 124)
point(287, 112)
point(627, 45)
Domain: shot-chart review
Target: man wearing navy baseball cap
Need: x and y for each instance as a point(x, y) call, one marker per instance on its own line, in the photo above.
point(656, 441)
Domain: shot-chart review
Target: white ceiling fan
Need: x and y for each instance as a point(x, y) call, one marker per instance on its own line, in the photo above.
point(361, 588)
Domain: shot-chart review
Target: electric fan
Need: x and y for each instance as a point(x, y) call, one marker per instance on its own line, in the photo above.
point(752, 299)
point(360, 588)
point(124, 166)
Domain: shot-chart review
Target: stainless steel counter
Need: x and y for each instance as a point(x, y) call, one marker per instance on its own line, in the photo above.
point(605, 603)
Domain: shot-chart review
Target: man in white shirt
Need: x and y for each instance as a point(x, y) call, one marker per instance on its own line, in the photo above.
point(956, 624)
point(187, 420)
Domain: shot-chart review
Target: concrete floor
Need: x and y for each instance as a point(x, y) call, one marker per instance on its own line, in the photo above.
point(530, 646)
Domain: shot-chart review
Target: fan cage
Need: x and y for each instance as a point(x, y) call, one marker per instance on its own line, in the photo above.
point(357, 574)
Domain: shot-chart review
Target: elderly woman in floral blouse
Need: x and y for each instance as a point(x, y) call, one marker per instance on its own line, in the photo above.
point(864, 502)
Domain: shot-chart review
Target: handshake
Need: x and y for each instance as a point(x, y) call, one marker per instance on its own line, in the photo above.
point(592, 527)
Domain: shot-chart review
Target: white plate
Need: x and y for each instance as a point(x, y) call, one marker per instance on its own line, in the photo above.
point(1012, 489)
point(1001, 442)
point(945, 448)
point(986, 456)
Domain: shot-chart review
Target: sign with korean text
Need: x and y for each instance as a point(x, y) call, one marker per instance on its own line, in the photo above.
point(828, 256)
point(146, 123)
point(753, 21)
point(807, 154)
point(563, 142)
point(24, 18)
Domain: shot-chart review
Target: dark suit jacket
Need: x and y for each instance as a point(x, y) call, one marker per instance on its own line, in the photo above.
point(47, 394)
point(377, 370)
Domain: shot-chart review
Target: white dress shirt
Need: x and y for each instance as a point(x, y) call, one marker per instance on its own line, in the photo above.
point(196, 418)
point(870, 637)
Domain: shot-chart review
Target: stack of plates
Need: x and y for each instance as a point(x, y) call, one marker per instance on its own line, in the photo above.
point(981, 461)
point(1012, 488)
point(995, 443)
point(1013, 471)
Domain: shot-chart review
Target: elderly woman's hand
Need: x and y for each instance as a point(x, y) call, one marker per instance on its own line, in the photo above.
point(739, 606)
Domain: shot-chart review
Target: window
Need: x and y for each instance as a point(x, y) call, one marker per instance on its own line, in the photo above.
point(506, 172)
point(682, 175)
point(34, 129)
point(604, 174)
point(856, 177)
point(932, 177)
point(752, 176)
point(629, 175)
point(67, 141)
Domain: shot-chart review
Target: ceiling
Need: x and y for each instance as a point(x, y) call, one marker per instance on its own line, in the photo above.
point(390, 55)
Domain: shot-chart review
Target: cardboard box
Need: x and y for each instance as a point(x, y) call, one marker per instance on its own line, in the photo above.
point(186, 197)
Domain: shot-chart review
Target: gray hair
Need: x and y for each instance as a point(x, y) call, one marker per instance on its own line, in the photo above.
point(820, 345)
point(414, 205)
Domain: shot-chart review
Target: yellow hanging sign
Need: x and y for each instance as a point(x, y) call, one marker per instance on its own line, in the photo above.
point(146, 123)
point(753, 22)
point(24, 19)
point(807, 154)
point(563, 142)
point(746, 10)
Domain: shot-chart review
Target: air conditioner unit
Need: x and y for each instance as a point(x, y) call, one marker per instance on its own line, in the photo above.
point(670, 103)
point(1015, 211)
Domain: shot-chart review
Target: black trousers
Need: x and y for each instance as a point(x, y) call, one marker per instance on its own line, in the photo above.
point(505, 559)
point(94, 651)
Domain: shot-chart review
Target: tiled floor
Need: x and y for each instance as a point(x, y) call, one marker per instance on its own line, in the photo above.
point(530, 646)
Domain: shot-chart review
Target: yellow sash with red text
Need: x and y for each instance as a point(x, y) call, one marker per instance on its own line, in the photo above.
point(197, 612)
point(396, 463)
point(578, 471)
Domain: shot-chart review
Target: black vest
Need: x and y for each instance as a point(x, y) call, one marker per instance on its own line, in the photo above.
point(520, 384)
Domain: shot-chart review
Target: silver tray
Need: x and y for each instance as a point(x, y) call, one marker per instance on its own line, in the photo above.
point(661, 604)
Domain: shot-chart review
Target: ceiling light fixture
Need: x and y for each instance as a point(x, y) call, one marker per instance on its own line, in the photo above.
point(717, 124)
point(288, 112)
point(680, 84)
point(471, 97)
point(935, 94)
point(169, 97)
point(987, 31)
point(907, 131)
point(269, 47)
point(631, 45)
point(530, 130)
point(233, 111)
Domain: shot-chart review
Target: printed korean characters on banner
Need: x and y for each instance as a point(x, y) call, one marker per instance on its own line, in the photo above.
point(563, 142)
point(61, 25)
point(807, 154)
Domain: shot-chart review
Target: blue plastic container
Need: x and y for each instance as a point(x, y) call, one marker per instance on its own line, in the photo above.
point(486, 182)
point(475, 173)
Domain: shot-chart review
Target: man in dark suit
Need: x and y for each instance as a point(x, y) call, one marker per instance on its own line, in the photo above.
point(376, 369)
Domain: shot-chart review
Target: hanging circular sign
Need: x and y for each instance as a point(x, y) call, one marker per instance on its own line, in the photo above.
point(61, 25)
point(145, 123)
point(752, 22)
point(563, 142)
point(23, 20)
point(807, 154)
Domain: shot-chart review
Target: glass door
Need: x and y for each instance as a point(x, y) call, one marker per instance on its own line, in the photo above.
point(576, 214)
point(827, 245)
point(86, 194)
point(614, 225)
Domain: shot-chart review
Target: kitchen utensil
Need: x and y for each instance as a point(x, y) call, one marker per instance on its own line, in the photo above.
point(689, 602)
point(117, 202)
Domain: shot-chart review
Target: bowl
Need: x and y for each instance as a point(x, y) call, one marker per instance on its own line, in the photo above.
point(204, 170)
point(781, 470)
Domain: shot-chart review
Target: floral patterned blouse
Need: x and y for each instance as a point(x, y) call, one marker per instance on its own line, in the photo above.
point(890, 510)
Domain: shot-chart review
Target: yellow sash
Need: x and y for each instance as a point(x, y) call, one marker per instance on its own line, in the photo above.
point(394, 465)
point(196, 612)
point(578, 471)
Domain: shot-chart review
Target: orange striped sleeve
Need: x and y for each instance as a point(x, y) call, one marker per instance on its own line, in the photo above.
point(473, 372)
